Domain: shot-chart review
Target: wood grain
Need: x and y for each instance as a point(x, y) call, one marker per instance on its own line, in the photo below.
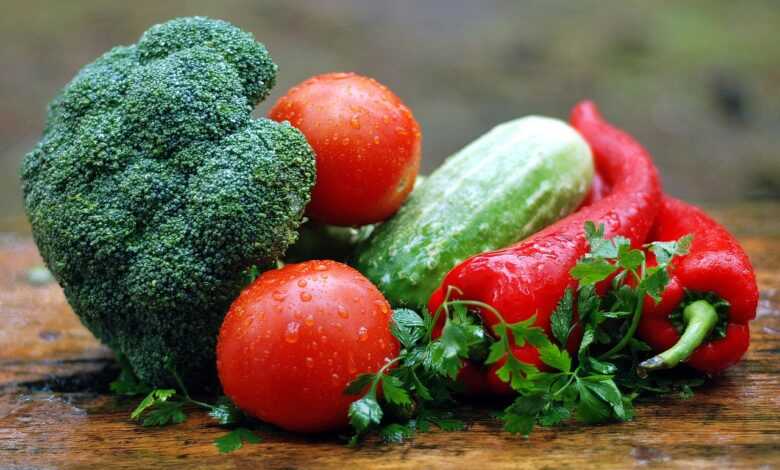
point(54, 412)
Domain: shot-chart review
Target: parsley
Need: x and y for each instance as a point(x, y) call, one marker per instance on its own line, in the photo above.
point(163, 407)
point(235, 439)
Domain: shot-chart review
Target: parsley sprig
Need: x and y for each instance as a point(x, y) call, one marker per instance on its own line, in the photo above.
point(598, 384)
point(167, 406)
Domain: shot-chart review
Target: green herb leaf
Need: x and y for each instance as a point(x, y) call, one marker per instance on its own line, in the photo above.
point(225, 412)
point(592, 271)
point(407, 326)
point(601, 366)
point(396, 433)
point(365, 412)
point(359, 384)
point(561, 317)
point(590, 408)
point(608, 391)
point(655, 282)
point(665, 251)
point(630, 259)
point(154, 398)
point(235, 439)
point(554, 415)
point(588, 302)
point(555, 357)
point(165, 413)
point(394, 392)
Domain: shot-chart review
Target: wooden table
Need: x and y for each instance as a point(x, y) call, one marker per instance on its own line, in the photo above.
point(54, 410)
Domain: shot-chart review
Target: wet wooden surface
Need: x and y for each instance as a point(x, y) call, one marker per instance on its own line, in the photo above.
point(54, 412)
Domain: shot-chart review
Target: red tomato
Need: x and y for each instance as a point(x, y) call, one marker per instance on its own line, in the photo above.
point(296, 337)
point(367, 145)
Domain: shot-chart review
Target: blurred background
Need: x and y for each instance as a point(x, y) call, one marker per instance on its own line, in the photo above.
point(697, 82)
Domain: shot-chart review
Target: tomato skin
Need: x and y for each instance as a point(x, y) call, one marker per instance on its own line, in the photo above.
point(366, 141)
point(296, 337)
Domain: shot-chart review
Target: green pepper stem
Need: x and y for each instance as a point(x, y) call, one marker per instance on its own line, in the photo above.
point(700, 318)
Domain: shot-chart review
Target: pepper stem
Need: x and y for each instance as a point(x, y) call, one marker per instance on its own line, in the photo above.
point(700, 318)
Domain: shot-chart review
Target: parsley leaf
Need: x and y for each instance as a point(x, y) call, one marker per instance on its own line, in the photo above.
point(393, 391)
point(154, 398)
point(592, 270)
point(235, 439)
point(365, 412)
point(561, 317)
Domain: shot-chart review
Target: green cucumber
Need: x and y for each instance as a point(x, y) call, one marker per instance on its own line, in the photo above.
point(514, 180)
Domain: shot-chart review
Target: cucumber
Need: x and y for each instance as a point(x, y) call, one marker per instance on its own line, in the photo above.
point(514, 180)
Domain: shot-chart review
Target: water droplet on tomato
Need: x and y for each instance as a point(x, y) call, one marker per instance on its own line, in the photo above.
point(376, 140)
point(309, 321)
point(321, 267)
point(362, 334)
point(301, 283)
point(298, 315)
point(291, 333)
point(309, 362)
point(336, 379)
point(355, 122)
point(278, 296)
point(342, 311)
point(305, 297)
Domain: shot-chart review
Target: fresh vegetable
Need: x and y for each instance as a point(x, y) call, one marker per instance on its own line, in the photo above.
point(153, 191)
point(597, 384)
point(703, 316)
point(517, 178)
point(531, 277)
point(296, 337)
point(367, 144)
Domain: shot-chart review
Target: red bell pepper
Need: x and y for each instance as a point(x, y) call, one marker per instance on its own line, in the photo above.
point(530, 277)
point(716, 265)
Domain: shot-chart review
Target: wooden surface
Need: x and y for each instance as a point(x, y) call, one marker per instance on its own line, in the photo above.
point(54, 412)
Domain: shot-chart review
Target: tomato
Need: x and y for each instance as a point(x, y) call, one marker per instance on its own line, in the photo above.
point(296, 337)
point(366, 141)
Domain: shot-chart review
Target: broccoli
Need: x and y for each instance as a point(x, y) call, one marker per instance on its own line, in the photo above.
point(153, 191)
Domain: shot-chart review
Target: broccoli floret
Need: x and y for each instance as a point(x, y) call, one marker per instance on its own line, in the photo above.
point(153, 191)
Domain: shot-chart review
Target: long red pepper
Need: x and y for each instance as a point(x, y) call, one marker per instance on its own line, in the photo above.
point(530, 277)
point(716, 264)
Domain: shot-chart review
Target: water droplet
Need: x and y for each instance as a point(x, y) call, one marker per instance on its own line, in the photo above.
point(301, 283)
point(345, 141)
point(330, 362)
point(355, 122)
point(401, 131)
point(278, 296)
point(342, 312)
point(335, 378)
point(291, 333)
point(362, 334)
point(298, 315)
point(321, 267)
point(309, 362)
point(309, 321)
point(383, 307)
point(305, 297)
point(376, 140)
point(323, 338)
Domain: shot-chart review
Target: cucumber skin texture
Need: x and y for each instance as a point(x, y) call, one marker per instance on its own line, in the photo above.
point(509, 183)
